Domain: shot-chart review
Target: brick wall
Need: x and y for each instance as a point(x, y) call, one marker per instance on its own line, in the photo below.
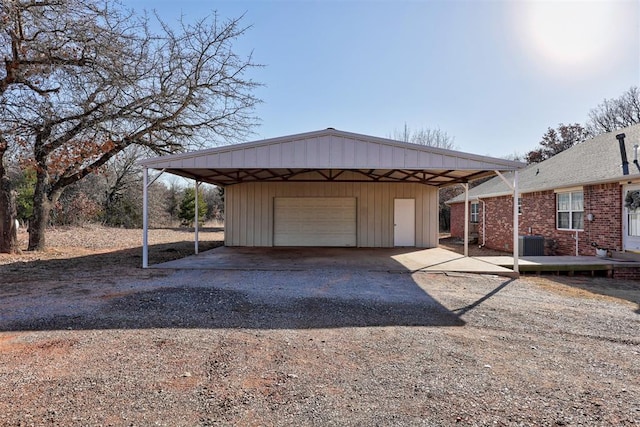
point(457, 220)
point(499, 223)
point(630, 273)
point(539, 218)
point(605, 203)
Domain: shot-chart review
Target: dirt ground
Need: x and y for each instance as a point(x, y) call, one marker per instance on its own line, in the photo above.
point(88, 338)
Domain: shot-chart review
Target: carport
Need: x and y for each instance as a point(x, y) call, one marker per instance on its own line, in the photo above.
point(330, 188)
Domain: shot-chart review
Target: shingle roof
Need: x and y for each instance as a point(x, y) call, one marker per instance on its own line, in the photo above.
point(594, 161)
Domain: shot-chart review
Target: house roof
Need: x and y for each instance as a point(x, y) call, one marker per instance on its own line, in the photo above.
point(594, 161)
point(324, 155)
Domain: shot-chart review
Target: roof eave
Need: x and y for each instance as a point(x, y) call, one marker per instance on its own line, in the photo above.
point(619, 180)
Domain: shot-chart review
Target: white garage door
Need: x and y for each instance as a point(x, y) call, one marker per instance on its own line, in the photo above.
point(314, 221)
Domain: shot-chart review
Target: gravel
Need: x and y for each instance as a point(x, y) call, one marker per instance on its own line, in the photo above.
point(318, 348)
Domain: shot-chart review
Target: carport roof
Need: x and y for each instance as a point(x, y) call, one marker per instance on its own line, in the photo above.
point(325, 155)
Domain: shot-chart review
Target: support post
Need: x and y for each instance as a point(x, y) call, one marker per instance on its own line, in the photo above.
point(145, 217)
point(196, 219)
point(466, 219)
point(516, 223)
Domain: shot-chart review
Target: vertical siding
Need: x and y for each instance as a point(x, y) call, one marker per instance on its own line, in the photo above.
point(249, 210)
point(228, 219)
point(251, 219)
point(420, 217)
point(373, 238)
point(362, 202)
point(245, 204)
point(386, 226)
point(265, 219)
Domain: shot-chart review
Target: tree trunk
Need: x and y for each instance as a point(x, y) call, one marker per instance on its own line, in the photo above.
point(8, 213)
point(43, 202)
point(8, 232)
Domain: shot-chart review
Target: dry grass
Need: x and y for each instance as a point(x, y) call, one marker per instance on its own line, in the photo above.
point(95, 252)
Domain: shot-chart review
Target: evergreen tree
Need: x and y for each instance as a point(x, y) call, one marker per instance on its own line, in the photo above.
point(188, 207)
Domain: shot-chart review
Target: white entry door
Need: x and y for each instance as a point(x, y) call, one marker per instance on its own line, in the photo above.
point(404, 222)
point(630, 219)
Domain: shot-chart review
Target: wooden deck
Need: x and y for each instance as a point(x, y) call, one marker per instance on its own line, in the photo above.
point(566, 264)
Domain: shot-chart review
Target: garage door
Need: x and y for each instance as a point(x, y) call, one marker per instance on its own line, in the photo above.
point(314, 221)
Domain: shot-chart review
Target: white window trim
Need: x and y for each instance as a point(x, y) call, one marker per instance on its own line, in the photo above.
point(519, 205)
point(570, 211)
point(568, 190)
point(475, 214)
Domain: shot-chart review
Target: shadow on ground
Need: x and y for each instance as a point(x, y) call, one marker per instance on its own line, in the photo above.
point(251, 300)
point(216, 309)
point(464, 310)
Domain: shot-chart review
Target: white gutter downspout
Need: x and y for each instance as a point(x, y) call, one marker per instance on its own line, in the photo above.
point(516, 225)
point(145, 214)
point(145, 219)
point(196, 219)
point(466, 219)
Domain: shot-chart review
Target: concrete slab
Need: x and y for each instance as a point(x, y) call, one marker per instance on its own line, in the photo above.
point(438, 259)
point(354, 259)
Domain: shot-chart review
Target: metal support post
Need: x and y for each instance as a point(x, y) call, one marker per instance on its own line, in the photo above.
point(145, 218)
point(516, 223)
point(466, 219)
point(196, 219)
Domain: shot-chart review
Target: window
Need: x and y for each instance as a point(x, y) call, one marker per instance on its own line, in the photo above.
point(570, 210)
point(519, 205)
point(475, 209)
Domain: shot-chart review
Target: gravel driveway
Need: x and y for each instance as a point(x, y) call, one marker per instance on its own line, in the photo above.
point(318, 348)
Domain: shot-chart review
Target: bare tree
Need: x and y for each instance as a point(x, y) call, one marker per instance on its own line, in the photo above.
point(121, 176)
point(425, 136)
point(32, 50)
point(165, 92)
point(515, 156)
point(213, 196)
point(614, 114)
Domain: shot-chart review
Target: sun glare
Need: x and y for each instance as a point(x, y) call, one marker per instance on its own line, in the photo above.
point(569, 34)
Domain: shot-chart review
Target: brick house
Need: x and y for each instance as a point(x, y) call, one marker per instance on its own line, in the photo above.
point(582, 197)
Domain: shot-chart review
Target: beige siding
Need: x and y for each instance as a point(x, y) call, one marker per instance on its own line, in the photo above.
point(249, 210)
point(330, 149)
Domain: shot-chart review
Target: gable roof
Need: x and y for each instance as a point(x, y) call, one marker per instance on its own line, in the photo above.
point(322, 155)
point(594, 161)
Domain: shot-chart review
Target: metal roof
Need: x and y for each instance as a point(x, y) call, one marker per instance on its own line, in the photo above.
point(594, 161)
point(330, 155)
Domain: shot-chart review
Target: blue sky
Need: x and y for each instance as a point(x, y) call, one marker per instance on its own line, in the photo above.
point(493, 74)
